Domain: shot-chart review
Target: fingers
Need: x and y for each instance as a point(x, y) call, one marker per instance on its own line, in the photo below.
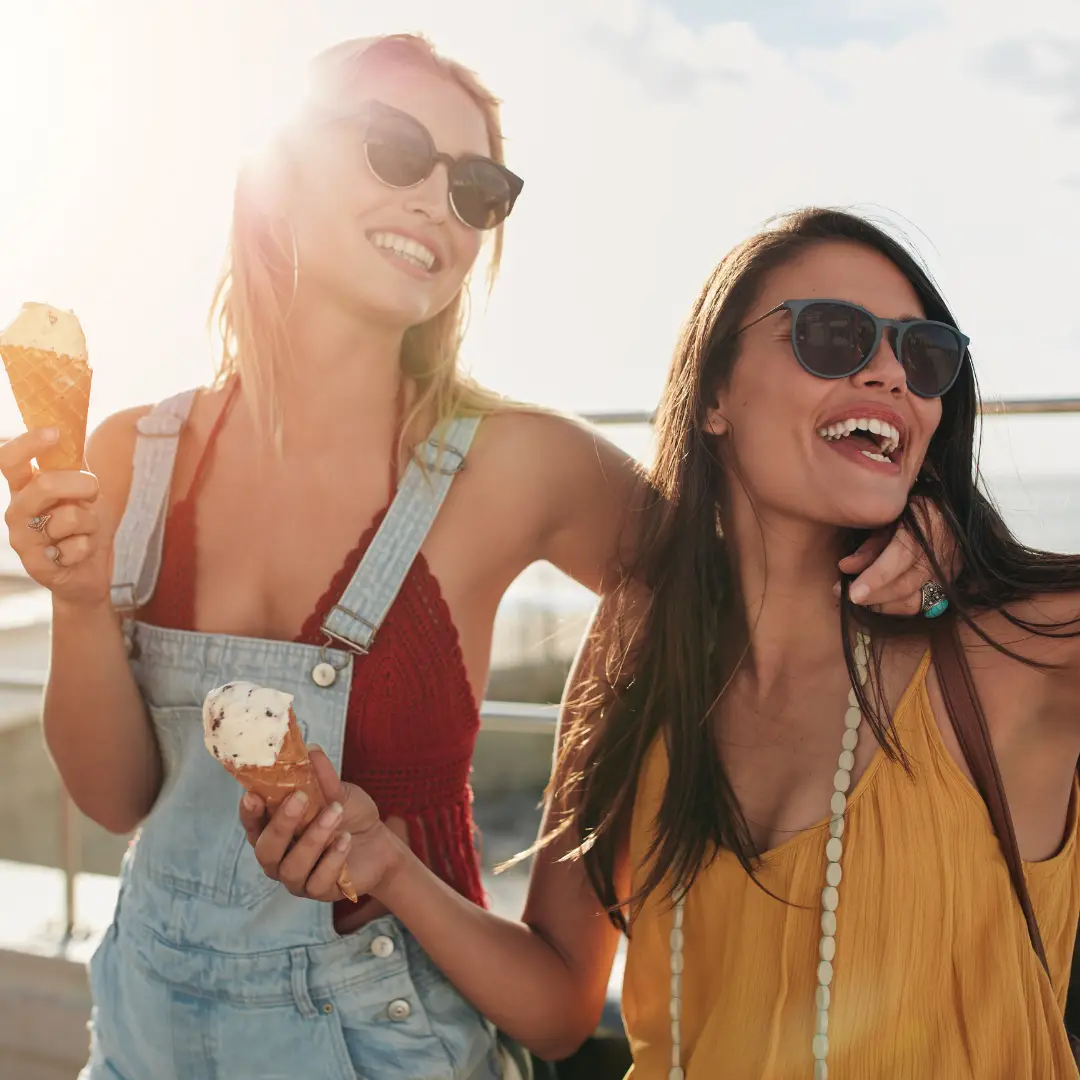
point(903, 595)
point(17, 455)
point(897, 558)
point(46, 490)
point(300, 861)
point(866, 553)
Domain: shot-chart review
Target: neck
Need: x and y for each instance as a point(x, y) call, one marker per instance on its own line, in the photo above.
point(786, 569)
point(344, 375)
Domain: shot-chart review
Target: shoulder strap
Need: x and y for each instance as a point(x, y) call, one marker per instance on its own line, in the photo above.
point(137, 545)
point(358, 614)
point(969, 723)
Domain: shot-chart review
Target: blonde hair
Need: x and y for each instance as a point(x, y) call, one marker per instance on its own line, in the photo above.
point(254, 294)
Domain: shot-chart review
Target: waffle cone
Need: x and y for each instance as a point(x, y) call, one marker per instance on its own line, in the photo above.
point(291, 772)
point(51, 390)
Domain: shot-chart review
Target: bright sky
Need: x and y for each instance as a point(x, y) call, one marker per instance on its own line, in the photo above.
point(652, 134)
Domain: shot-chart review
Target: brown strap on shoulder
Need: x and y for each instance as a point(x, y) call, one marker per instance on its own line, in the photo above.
point(969, 723)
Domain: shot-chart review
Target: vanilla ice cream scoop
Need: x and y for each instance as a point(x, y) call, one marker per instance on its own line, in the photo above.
point(40, 326)
point(245, 724)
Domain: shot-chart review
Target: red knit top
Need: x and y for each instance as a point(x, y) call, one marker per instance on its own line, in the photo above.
point(412, 719)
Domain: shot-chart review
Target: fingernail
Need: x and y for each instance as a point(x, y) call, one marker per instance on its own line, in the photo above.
point(836, 590)
point(315, 746)
point(249, 802)
point(50, 434)
point(51, 553)
point(858, 593)
point(297, 801)
point(330, 815)
point(343, 841)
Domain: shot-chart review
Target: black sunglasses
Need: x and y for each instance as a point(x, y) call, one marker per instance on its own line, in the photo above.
point(401, 153)
point(834, 339)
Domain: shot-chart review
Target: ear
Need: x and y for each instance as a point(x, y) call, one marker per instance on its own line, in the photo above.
point(715, 421)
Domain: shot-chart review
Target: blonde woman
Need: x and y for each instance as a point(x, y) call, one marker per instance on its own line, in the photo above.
point(320, 520)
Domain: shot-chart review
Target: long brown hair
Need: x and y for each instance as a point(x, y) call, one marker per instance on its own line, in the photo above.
point(251, 302)
point(692, 634)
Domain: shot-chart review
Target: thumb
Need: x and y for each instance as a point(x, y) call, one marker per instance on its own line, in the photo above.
point(359, 813)
point(328, 780)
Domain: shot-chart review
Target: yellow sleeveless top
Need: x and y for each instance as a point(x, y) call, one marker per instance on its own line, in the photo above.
point(935, 975)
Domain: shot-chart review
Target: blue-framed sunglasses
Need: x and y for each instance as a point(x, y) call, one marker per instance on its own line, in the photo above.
point(834, 339)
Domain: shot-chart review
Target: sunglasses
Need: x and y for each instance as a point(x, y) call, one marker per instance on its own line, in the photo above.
point(401, 153)
point(834, 339)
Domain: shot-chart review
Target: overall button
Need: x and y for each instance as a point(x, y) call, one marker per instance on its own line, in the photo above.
point(382, 946)
point(399, 1010)
point(324, 674)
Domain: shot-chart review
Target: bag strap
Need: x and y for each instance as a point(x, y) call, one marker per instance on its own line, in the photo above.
point(969, 723)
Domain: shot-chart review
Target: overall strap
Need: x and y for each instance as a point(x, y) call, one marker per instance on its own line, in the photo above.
point(137, 546)
point(358, 614)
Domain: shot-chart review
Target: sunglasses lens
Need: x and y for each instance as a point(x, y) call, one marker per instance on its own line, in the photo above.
point(482, 194)
point(399, 153)
point(932, 355)
point(832, 340)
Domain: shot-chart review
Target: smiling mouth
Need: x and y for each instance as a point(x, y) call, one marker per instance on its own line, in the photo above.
point(876, 439)
point(412, 251)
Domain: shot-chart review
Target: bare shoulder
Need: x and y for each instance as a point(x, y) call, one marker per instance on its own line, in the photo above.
point(1043, 629)
point(564, 482)
point(551, 442)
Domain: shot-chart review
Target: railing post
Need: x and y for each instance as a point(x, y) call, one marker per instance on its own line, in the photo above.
point(70, 855)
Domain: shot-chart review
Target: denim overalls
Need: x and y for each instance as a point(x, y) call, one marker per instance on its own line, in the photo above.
point(210, 970)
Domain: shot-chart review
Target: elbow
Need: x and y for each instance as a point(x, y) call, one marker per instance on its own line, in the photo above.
point(114, 817)
point(565, 1042)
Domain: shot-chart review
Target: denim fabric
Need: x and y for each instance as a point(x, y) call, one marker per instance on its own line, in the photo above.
point(210, 970)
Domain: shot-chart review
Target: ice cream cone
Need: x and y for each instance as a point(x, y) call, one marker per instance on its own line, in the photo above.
point(292, 771)
point(44, 356)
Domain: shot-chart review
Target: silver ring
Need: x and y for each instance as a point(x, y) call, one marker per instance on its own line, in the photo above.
point(934, 600)
point(38, 523)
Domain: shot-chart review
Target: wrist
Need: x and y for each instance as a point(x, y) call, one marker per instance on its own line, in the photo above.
point(399, 864)
point(82, 609)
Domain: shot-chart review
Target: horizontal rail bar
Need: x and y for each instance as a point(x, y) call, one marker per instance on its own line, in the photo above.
point(1004, 406)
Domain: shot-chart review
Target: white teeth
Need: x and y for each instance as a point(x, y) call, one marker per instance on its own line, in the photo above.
point(889, 435)
point(410, 249)
point(874, 457)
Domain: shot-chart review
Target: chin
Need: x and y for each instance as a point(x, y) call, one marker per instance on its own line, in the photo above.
point(870, 515)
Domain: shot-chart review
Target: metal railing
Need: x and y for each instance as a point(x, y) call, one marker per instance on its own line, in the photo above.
point(503, 716)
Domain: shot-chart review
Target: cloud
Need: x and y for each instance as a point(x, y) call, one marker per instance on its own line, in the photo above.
point(1042, 64)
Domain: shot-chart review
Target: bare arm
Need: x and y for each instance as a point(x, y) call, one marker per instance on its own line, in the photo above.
point(543, 981)
point(95, 723)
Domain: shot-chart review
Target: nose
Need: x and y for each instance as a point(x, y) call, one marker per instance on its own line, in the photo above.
point(884, 372)
point(432, 197)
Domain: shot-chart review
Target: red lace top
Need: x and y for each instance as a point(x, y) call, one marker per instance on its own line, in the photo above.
point(412, 720)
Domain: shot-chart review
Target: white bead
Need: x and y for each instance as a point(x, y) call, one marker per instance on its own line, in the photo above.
point(677, 1074)
point(822, 997)
point(824, 973)
point(676, 1008)
point(834, 849)
point(324, 675)
point(833, 873)
point(829, 898)
point(847, 761)
point(675, 1033)
point(676, 938)
point(828, 923)
point(836, 826)
point(676, 963)
point(853, 703)
point(851, 737)
point(678, 915)
point(676, 1056)
point(822, 1020)
point(821, 1047)
point(821, 1070)
point(676, 986)
point(853, 717)
point(842, 780)
point(827, 949)
point(838, 802)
